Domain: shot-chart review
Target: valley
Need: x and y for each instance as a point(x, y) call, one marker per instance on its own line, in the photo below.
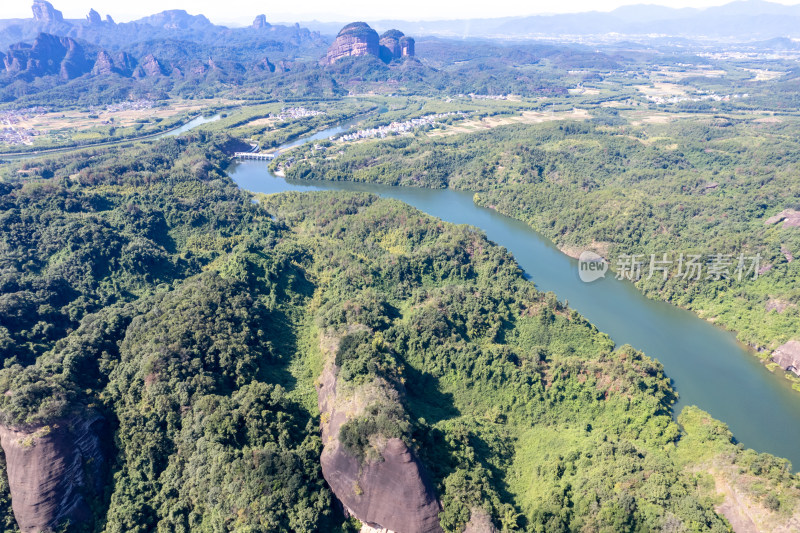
point(388, 322)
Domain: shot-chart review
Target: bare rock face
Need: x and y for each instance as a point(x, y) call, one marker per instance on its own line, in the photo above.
point(150, 67)
point(261, 22)
point(393, 493)
point(407, 47)
point(479, 522)
point(104, 64)
point(94, 17)
point(54, 470)
point(74, 63)
point(788, 356)
point(354, 40)
point(390, 45)
point(125, 63)
point(49, 55)
point(790, 218)
point(44, 12)
point(395, 45)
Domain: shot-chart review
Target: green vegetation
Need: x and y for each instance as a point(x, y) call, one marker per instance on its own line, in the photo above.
point(139, 283)
point(693, 186)
point(143, 285)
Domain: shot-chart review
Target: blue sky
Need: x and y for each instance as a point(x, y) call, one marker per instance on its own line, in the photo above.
point(243, 11)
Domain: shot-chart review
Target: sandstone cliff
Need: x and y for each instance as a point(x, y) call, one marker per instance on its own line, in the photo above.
point(94, 17)
point(48, 55)
point(354, 40)
point(358, 39)
point(150, 67)
point(54, 471)
point(392, 491)
point(788, 356)
point(395, 45)
point(123, 64)
point(261, 22)
point(104, 64)
point(45, 13)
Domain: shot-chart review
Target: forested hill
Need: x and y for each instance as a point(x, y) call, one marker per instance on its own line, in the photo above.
point(707, 185)
point(178, 342)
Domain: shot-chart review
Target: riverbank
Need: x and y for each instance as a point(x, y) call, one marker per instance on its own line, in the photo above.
point(581, 183)
point(172, 130)
point(707, 365)
point(760, 352)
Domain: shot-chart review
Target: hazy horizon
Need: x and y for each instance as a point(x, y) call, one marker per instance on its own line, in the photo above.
point(239, 12)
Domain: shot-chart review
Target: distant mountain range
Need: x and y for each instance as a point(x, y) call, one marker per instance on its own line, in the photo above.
point(172, 24)
point(179, 53)
point(737, 21)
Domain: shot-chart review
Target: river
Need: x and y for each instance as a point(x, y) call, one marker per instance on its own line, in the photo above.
point(708, 367)
point(197, 121)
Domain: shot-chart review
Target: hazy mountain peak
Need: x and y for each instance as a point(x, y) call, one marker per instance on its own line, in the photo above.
point(176, 19)
point(43, 11)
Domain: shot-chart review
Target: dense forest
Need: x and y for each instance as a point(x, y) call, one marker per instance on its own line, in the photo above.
point(179, 354)
point(702, 185)
point(140, 286)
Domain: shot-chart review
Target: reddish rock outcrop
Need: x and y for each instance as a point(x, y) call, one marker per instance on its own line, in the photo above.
point(354, 40)
point(407, 47)
point(790, 218)
point(393, 492)
point(395, 45)
point(54, 470)
point(125, 63)
point(788, 356)
point(390, 45)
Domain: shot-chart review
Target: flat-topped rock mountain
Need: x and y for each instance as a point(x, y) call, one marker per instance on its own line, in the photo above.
point(354, 40)
point(395, 45)
point(176, 19)
point(261, 22)
point(358, 39)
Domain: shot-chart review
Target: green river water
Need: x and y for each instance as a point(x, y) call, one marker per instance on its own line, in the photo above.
point(708, 367)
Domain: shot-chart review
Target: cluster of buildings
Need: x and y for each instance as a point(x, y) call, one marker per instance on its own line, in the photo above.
point(15, 116)
point(291, 113)
point(132, 105)
point(396, 128)
point(700, 98)
point(485, 96)
point(17, 136)
point(11, 133)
